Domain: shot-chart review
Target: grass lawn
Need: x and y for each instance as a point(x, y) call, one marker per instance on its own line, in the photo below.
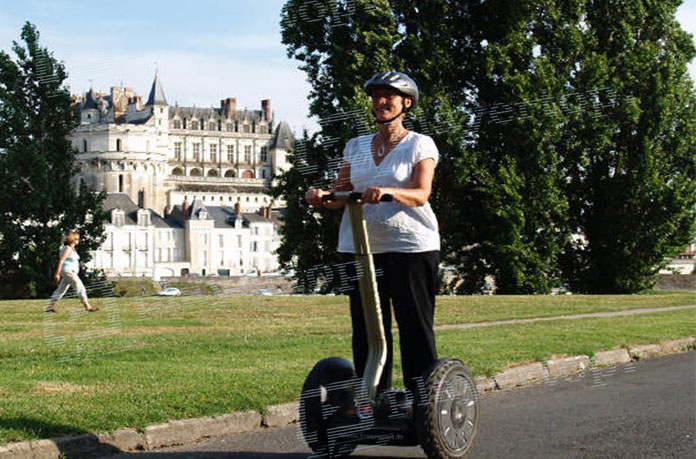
point(141, 361)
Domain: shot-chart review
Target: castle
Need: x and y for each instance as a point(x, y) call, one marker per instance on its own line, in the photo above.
point(186, 186)
point(161, 155)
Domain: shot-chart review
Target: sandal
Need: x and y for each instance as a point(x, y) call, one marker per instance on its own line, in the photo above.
point(92, 309)
point(50, 310)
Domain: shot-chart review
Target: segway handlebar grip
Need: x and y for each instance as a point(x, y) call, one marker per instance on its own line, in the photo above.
point(353, 196)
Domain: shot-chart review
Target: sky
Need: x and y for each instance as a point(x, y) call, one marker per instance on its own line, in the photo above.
point(202, 50)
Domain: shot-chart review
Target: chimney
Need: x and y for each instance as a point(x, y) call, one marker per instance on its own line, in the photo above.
point(266, 109)
point(229, 106)
point(185, 209)
point(238, 209)
point(137, 101)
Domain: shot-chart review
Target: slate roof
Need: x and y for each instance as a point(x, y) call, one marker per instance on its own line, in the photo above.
point(90, 101)
point(284, 137)
point(156, 93)
point(206, 113)
point(123, 201)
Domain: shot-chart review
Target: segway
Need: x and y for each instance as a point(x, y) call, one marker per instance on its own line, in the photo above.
point(339, 410)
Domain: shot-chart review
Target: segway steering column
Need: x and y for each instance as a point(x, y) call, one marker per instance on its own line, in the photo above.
point(376, 341)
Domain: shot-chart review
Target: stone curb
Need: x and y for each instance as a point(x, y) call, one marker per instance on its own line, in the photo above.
point(192, 430)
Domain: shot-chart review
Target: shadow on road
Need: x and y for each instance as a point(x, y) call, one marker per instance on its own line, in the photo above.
point(211, 455)
point(233, 455)
point(78, 443)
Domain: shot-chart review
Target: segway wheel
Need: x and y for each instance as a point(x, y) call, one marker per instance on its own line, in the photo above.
point(328, 408)
point(448, 412)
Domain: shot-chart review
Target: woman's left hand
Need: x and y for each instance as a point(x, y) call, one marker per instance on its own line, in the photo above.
point(372, 194)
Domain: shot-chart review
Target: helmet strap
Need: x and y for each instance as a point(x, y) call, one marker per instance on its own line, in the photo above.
point(389, 120)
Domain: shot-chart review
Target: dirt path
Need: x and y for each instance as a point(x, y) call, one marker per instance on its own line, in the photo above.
point(629, 312)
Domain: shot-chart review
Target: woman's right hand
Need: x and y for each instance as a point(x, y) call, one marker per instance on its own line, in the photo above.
point(313, 197)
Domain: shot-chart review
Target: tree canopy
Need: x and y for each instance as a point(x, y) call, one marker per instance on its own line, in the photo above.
point(565, 128)
point(41, 201)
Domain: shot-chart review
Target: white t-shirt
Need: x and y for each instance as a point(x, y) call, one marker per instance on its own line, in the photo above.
point(391, 226)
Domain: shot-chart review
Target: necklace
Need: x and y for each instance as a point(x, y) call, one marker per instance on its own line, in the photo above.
point(381, 151)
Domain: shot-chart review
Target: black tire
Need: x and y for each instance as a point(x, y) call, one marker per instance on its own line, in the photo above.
point(447, 417)
point(329, 392)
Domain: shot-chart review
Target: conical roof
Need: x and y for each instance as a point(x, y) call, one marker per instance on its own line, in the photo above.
point(156, 93)
point(284, 138)
point(90, 101)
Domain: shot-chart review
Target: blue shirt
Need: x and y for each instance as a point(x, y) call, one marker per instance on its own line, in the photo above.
point(72, 262)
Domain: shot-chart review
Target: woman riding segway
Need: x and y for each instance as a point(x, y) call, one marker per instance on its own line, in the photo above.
point(398, 165)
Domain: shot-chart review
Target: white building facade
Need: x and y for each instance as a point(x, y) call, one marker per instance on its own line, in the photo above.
point(187, 187)
point(160, 155)
point(194, 240)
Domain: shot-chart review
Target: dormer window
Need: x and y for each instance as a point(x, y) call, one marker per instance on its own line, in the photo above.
point(143, 217)
point(117, 217)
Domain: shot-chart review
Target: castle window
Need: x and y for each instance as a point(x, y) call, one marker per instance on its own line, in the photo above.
point(264, 154)
point(263, 129)
point(117, 217)
point(247, 154)
point(229, 127)
point(247, 129)
point(120, 183)
point(143, 220)
point(184, 123)
point(84, 146)
point(211, 126)
point(213, 152)
point(177, 150)
point(194, 125)
point(230, 153)
point(196, 151)
point(177, 124)
point(118, 144)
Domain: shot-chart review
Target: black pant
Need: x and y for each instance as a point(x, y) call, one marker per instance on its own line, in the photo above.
point(407, 282)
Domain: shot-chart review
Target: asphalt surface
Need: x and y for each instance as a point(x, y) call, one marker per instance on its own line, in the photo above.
point(645, 409)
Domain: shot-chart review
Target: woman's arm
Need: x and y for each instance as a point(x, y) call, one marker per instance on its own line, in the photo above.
point(415, 195)
point(342, 183)
point(63, 256)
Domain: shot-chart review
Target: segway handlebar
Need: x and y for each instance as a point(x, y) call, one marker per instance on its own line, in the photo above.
point(353, 196)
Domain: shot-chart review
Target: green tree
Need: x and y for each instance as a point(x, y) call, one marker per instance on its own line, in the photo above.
point(534, 105)
point(630, 164)
point(40, 198)
point(340, 45)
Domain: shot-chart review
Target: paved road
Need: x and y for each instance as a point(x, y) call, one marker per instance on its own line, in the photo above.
point(645, 410)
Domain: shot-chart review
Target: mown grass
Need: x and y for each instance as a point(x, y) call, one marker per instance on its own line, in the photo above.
point(141, 361)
